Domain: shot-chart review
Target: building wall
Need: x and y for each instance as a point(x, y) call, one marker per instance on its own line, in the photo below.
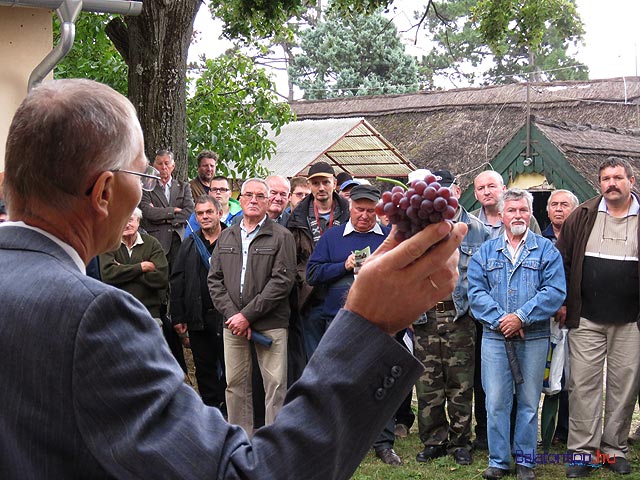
point(25, 39)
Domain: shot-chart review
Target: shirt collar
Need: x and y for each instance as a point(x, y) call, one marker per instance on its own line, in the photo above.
point(634, 209)
point(255, 230)
point(523, 240)
point(138, 241)
point(349, 228)
point(65, 246)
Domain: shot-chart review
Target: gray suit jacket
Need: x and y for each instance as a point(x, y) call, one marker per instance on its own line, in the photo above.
point(90, 389)
point(158, 218)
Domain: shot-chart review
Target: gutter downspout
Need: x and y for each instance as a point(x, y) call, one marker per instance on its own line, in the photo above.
point(67, 13)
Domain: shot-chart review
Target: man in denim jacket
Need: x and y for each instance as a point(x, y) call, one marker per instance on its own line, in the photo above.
point(516, 282)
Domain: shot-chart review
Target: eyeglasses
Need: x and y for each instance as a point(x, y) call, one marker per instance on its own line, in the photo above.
point(219, 190)
point(258, 196)
point(148, 178)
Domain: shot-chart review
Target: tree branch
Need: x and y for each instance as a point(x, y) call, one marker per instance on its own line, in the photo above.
point(118, 33)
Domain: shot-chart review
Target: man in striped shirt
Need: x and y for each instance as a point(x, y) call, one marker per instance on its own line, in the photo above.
point(599, 245)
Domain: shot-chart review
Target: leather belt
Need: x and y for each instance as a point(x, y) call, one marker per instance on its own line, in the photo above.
point(445, 306)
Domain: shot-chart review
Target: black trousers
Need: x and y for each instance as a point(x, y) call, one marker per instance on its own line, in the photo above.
point(208, 357)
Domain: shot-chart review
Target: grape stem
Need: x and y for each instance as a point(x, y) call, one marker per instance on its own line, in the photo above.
point(393, 181)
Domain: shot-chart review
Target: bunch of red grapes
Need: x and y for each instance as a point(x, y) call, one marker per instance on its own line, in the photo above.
point(423, 203)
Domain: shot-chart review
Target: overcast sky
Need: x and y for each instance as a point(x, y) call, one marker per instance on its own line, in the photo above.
point(611, 49)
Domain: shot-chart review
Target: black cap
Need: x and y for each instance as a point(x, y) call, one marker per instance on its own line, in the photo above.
point(320, 169)
point(444, 177)
point(342, 177)
point(367, 192)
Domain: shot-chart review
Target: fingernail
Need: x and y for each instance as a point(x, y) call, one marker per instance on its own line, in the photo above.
point(444, 228)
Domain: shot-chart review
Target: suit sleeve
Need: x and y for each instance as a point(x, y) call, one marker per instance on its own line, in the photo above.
point(186, 204)
point(152, 212)
point(140, 420)
point(280, 283)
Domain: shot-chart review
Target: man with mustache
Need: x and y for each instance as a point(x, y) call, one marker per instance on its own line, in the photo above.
point(599, 244)
point(516, 283)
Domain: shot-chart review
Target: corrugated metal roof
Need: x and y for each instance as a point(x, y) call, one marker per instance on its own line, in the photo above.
point(348, 144)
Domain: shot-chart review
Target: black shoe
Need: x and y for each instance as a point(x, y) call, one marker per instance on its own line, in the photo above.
point(389, 456)
point(494, 473)
point(481, 443)
point(525, 473)
point(462, 456)
point(578, 471)
point(431, 452)
point(620, 466)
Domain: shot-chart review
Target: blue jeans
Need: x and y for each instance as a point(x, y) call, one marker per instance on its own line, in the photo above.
point(498, 385)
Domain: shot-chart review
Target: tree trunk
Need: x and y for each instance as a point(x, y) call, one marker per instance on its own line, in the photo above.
point(158, 43)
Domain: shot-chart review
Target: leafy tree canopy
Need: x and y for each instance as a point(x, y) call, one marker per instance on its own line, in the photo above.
point(353, 55)
point(228, 113)
point(508, 40)
point(93, 55)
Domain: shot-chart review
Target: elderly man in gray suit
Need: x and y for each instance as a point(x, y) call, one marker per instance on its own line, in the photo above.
point(166, 208)
point(88, 388)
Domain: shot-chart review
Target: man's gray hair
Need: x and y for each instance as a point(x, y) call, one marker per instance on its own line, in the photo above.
point(165, 153)
point(574, 200)
point(137, 213)
point(63, 135)
point(254, 179)
point(515, 194)
point(498, 178)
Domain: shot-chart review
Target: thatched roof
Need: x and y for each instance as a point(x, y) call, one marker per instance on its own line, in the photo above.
point(463, 129)
point(348, 144)
point(585, 147)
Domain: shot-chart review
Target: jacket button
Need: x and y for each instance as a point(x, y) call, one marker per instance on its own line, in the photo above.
point(388, 382)
point(396, 371)
point(380, 394)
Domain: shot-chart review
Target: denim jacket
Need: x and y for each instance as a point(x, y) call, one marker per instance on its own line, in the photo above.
point(534, 288)
point(477, 234)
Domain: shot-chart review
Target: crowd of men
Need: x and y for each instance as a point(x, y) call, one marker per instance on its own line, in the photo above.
point(283, 264)
point(254, 285)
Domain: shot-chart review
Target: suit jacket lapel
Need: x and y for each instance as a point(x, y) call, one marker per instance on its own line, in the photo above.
point(158, 191)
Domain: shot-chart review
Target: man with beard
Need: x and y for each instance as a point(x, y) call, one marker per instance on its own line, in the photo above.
point(313, 216)
point(201, 185)
point(599, 244)
point(516, 283)
point(488, 186)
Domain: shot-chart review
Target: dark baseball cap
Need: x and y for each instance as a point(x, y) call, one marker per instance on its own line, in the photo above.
point(342, 177)
point(444, 177)
point(320, 169)
point(367, 192)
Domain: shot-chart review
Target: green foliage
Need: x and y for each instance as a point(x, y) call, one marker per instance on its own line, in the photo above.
point(251, 19)
point(93, 55)
point(506, 40)
point(233, 101)
point(353, 55)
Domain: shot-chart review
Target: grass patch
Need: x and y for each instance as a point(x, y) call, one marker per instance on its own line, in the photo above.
point(445, 468)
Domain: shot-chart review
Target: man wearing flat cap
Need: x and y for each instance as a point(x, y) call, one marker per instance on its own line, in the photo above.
point(313, 216)
point(332, 266)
